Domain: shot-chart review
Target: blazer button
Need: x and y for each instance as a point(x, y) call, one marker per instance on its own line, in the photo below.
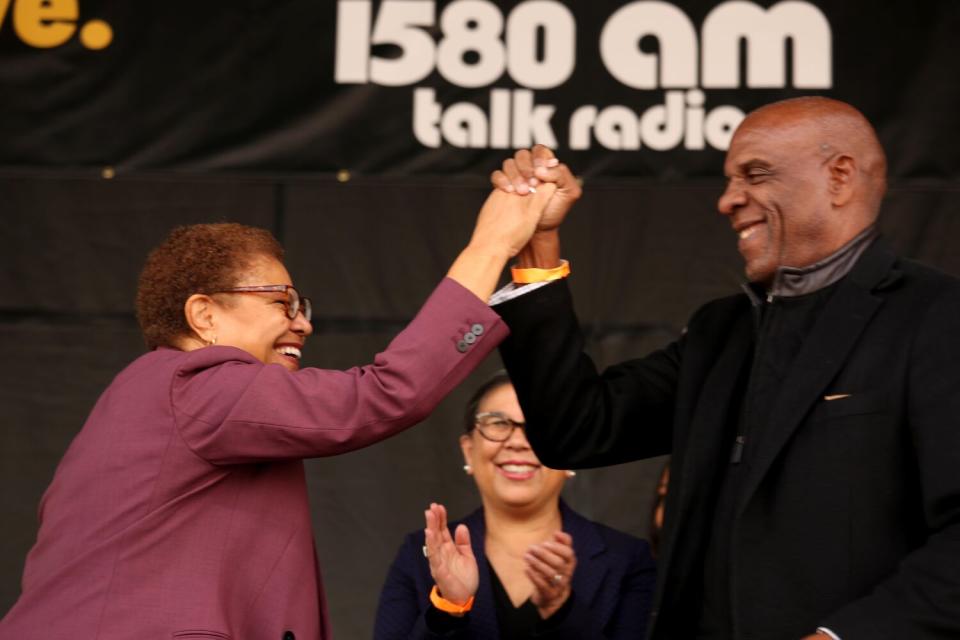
point(469, 338)
point(462, 346)
point(477, 329)
point(288, 635)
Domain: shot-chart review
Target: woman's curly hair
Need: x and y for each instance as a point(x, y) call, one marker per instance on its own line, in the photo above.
point(199, 258)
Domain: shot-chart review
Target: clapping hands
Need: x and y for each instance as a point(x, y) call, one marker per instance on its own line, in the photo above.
point(549, 565)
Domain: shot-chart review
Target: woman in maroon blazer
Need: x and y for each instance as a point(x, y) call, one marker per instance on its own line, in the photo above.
point(180, 509)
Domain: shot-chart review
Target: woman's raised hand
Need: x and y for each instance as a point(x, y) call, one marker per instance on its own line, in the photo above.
point(528, 170)
point(550, 567)
point(505, 225)
point(452, 564)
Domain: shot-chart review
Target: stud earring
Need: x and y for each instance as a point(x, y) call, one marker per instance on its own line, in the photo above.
point(467, 469)
point(571, 473)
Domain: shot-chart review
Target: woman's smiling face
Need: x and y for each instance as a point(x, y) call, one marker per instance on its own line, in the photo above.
point(508, 474)
point(257, 322)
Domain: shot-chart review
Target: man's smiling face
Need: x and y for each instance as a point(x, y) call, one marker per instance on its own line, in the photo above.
point(777, 195)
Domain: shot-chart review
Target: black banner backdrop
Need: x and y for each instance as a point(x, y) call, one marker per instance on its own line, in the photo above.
point(361, 133)
point(640, 88)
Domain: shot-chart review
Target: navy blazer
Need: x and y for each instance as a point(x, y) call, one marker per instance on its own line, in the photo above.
point(612, 586)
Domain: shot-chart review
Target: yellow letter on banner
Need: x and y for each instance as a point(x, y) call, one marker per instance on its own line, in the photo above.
point(45, 23)
point(4, 5)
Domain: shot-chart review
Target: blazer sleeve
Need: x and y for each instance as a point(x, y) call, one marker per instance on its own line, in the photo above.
point(404, 606)
point(632, 614)
point(231, 409)
point(577, 417)
point(922, 598)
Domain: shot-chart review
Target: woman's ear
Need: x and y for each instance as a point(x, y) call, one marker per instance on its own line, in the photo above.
point(198, 311)
point(466, 446)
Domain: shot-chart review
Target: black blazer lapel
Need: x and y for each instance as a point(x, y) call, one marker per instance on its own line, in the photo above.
point(699, 456)
point(699, 461)
point(824, 353)
point(586, 541)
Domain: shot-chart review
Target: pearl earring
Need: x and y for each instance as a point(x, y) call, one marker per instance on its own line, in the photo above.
point(467, 469)
point(571, 473)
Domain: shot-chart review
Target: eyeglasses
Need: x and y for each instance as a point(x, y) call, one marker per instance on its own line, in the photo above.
point(495, 426)
point(295, 302)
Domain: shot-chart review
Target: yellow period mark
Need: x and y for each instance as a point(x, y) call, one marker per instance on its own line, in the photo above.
point(96, 34)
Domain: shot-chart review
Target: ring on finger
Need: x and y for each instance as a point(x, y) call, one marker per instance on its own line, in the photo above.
point(557, 578)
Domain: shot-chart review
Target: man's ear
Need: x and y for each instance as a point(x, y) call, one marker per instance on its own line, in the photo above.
point(198, 311)
point(842, 177)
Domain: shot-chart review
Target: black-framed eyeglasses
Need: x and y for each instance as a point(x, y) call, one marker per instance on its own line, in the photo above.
point(495, 426)
point(295, 302)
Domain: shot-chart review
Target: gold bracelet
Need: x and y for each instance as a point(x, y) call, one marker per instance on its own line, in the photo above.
point(445, 605)
point(528, 276)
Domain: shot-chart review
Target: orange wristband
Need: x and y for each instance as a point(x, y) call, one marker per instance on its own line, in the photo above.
point(446, 605)
point(528, 276)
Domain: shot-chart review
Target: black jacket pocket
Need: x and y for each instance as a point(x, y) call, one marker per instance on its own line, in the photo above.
point(856, 403)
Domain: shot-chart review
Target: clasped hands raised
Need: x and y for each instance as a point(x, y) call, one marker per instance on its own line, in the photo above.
point(533, 191)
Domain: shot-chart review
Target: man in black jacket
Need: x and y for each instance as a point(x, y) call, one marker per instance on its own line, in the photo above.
point(814, 420)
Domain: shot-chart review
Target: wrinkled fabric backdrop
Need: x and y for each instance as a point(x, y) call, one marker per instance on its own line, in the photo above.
point(361, 133)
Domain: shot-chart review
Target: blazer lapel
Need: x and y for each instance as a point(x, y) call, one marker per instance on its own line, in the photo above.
point(586, 541)
point(825, 351)
point(700, 461)
point(701, 454)
point(587, 544)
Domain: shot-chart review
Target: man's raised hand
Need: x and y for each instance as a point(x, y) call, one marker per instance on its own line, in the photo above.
point(532, 168)
point(504, 227)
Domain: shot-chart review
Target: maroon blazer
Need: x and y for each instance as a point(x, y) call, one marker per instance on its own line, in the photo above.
point(180, 509)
